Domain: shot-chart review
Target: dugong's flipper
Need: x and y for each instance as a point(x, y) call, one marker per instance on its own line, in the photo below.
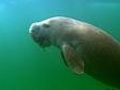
point(72, 59)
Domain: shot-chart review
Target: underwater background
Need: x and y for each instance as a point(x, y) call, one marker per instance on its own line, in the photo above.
point(26, 66)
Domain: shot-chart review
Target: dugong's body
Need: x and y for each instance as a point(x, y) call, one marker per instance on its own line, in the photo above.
point(84, 47)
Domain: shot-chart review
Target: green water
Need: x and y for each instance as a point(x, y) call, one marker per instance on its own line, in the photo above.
point(25, 66)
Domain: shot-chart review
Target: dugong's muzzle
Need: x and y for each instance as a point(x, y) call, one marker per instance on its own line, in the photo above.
point(39, 35)
point(34, 32)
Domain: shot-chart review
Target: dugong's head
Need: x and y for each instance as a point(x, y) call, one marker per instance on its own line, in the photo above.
point(45, 32)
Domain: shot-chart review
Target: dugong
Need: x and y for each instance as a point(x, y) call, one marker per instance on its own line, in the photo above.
point(85, 48)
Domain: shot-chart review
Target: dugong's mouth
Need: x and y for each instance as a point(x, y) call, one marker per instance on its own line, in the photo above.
point(38, 35)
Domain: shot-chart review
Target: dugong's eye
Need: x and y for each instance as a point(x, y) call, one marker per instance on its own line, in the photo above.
point(46, 25)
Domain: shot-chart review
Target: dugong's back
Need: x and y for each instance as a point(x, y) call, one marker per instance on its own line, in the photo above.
point(101, 53)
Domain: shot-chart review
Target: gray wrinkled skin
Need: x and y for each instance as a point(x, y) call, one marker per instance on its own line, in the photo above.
point(99, 50)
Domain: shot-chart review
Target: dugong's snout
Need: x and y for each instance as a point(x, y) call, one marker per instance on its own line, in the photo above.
point(32, 28)
point(39, 35)
point(34, 32)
